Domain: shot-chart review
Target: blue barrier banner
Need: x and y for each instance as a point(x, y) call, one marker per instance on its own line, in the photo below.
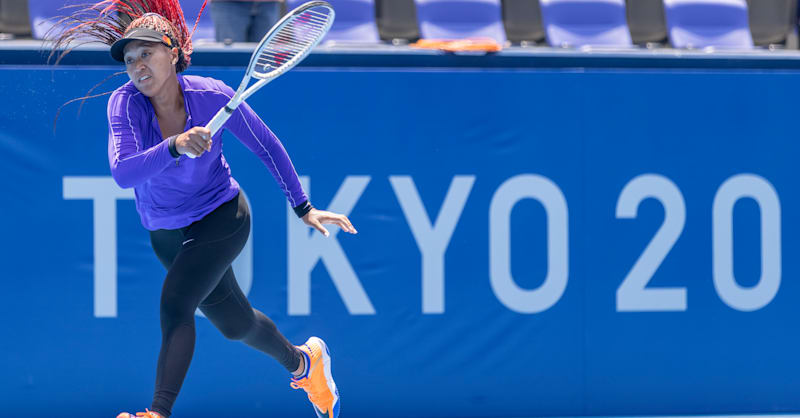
point(531, 242)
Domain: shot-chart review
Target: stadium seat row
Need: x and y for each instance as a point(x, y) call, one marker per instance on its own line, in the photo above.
point(570, 23)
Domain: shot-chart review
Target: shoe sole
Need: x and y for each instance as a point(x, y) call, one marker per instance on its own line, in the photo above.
point(326, 362)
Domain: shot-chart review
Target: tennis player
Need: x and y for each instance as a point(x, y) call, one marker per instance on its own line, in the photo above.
point(197, 217)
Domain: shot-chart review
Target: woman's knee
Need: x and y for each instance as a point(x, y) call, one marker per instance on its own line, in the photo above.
point(176, 310)
point(236, 328)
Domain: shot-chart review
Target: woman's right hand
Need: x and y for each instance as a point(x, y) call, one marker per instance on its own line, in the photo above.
point(196, 141)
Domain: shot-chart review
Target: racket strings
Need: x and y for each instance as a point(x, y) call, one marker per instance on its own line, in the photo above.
point(292, 41)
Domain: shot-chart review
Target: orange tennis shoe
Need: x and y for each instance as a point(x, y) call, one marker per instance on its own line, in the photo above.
point(147, 414)
point(317, 380)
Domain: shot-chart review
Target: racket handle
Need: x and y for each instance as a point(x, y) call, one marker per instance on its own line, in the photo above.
point(216, 123)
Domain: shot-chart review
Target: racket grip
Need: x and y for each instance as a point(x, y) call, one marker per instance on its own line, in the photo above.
point(216, 123)
point(219, 119)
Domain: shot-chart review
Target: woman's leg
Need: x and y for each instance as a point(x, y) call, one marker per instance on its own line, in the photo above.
point(208, 248)
point(265, 15)
point(228, 309)
point(231, 20)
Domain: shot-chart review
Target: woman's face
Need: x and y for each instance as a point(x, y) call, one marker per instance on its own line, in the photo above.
point(149, 65)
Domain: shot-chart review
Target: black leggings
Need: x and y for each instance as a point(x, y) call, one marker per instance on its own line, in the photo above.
point(198, 259)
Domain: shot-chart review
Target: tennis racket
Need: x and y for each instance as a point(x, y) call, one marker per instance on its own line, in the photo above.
point(283, 47)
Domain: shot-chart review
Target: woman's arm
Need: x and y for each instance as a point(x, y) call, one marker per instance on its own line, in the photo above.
point(256, 136)
point(131, 164)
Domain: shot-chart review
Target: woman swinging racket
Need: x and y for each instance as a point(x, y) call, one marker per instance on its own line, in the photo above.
point(197, 217)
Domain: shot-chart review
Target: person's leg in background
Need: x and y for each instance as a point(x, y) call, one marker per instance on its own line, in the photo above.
point(232, 20)
point(265, 15)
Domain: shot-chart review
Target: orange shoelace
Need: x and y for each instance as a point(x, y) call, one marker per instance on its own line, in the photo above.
point(305, 384)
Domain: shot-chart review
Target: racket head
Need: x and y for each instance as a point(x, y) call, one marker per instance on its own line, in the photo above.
point(291, 39)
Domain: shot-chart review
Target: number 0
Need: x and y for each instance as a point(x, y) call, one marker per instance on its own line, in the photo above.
point(757, 188)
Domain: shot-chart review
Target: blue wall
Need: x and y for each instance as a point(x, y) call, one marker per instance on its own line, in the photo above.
point(535, 163)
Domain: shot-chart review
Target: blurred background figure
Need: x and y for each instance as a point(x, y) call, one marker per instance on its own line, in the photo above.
point(243, 20)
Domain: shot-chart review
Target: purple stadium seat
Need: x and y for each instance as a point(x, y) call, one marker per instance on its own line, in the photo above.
point(355, 20)
point(586, 22)
point(459, 19)
point(205, 29)
point(42, 13)
point(704, 23)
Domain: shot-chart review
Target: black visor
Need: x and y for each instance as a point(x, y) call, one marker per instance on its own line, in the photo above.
point(138, 34)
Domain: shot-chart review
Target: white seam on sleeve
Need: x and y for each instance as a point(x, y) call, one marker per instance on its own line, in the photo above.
point(116, 143)
point(128, 112)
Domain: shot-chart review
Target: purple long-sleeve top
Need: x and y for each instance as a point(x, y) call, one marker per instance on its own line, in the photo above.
point(172, 193)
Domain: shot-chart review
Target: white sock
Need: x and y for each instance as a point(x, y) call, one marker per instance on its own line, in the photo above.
point(301, 369)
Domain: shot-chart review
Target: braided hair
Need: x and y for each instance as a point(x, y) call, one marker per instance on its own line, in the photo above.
point(109, 20)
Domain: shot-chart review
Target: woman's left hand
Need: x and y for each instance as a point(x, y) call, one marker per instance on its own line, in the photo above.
point(315, 218)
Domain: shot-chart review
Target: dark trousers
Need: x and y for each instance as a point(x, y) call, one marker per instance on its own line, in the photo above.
point(244, 21)
point(198, 260)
